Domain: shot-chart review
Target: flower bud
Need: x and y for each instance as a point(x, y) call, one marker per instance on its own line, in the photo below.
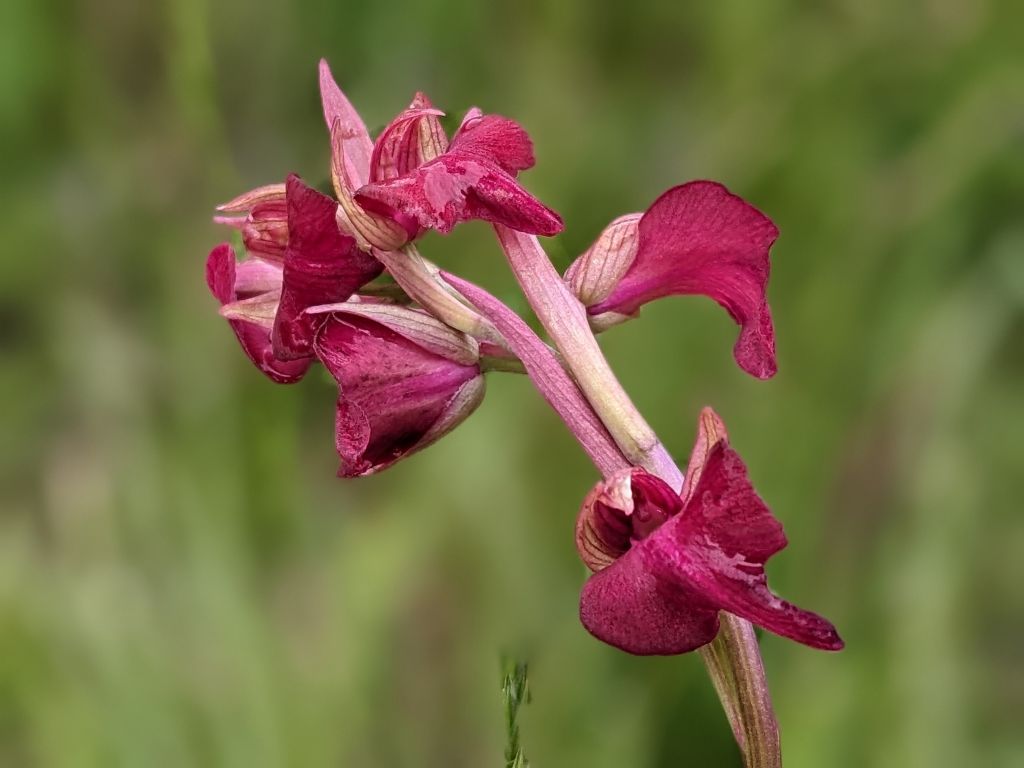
point(594, 275)
point(413, 138)
point(261, 216)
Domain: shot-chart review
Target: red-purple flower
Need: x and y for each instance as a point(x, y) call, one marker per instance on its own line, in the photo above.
point(665, 564)
point(473, 178)
point(696, 238)
point(404, 381)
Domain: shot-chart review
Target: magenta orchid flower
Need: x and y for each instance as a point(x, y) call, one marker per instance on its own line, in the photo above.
point(697, 238)
point(404, 381)
point(474, 178)
point(665, 564)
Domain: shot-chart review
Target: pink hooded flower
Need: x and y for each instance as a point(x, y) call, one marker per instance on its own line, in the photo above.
point(665, 564)
point(404, 381)
point(249, 292)
point(474, 178)
point(696, 238)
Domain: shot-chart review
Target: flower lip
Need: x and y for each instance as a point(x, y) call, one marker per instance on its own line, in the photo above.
point(695, 239)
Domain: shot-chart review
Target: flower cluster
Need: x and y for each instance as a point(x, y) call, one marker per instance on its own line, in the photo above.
point(339, 281)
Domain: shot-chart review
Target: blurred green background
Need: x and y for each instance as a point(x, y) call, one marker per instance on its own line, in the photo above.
point(183, 581)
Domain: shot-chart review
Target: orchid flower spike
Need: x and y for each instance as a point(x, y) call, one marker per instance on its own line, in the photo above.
point(665, 564)
point(404, 381)
point(697, 238)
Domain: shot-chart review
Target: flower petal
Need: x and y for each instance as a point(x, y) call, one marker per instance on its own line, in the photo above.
point(416, 325)
point(455, 188)
point(322, 265)
point(338, 109)
point(627, 605)
point(254, 337)
point(411, 139)
point(719, 544)
point(698, 238)
point(395, 397)
point(495, 139)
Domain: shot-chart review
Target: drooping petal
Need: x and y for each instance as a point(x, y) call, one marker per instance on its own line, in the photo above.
point(720, 543)
point(627, 605)
point(698, 238)
point(395, 397)
point(338, 110)
point(253, 335)
point(458, 187)
point(495, 139)
point(322, 265)
point(411, 139)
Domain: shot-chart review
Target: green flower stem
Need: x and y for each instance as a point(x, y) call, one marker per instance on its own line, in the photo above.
point(733, 659)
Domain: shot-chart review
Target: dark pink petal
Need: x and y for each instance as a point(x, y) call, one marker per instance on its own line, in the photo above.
point(411, 139)
point(629, 605)
point(222, 279)
point(322, 266)
point(699, 238)
point(394, 396)
point(721, 541)
point(458, 187)
point(496, 139)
